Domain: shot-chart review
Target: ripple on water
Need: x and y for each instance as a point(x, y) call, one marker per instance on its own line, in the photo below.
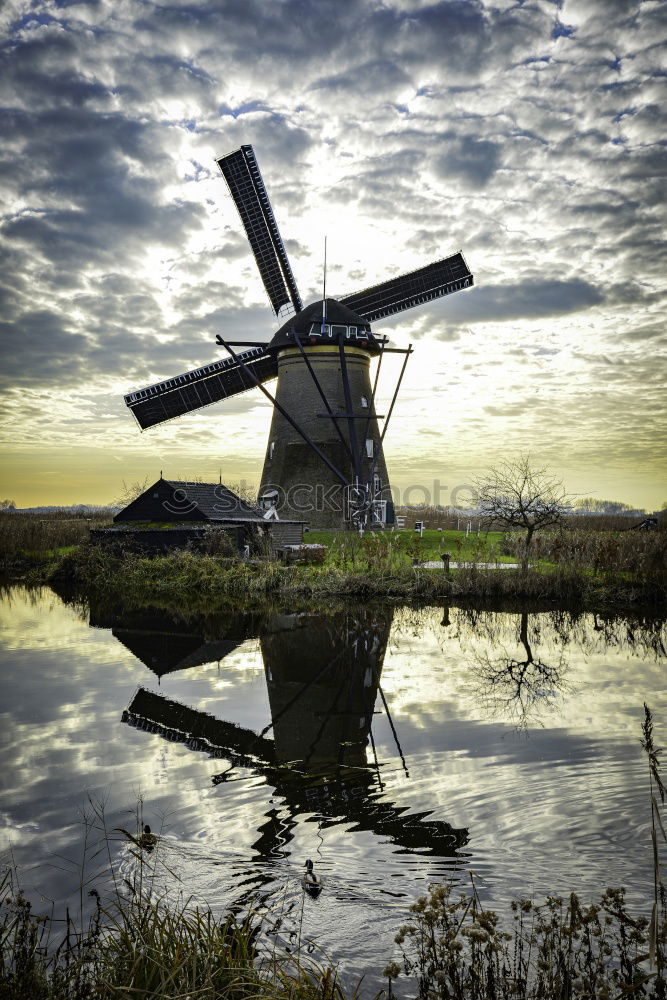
point(546, 810)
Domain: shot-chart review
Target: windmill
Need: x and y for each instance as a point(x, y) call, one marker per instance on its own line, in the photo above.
point(324, 457)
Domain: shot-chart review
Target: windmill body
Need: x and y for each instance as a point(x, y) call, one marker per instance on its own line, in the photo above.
point(324, 458)
point(332, 355)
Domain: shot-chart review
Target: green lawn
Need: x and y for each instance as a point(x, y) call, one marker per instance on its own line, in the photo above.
point(485, 547)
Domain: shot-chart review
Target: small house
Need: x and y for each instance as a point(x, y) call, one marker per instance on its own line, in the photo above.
point(175, 514)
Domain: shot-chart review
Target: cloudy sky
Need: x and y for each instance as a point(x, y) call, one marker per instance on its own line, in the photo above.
point(530, 135)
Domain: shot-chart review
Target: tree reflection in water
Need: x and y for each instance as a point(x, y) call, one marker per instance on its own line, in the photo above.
point(522, 688)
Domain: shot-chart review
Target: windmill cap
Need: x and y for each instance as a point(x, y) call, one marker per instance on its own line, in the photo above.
point(336, 313)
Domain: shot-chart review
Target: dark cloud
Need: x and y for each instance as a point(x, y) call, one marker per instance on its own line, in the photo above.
point(534, 299)
point(369, 78)
point(472, 160)
point(523, 134)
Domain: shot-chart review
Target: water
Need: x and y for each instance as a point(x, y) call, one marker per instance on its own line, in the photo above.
point(393, 747)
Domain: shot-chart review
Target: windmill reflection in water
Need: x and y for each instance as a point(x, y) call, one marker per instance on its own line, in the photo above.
point(323, 676)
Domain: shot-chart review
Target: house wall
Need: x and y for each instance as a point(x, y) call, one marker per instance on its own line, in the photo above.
point(286, 534)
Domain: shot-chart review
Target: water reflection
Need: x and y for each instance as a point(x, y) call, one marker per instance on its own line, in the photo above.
point(323, 676)
point(519, 687)
point(515, 683)
point(164, 643)
point(284, 760)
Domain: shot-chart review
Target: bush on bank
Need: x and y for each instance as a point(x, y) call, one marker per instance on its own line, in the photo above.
point(373, 571)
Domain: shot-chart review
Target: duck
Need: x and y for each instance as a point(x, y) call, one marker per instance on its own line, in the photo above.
point(310, 881)
point(147, 840)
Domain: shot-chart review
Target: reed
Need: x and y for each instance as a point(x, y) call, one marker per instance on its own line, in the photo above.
point(561, 949)
point(656, 941)
point(24, 537)
point(639, 557)
point(141, 948)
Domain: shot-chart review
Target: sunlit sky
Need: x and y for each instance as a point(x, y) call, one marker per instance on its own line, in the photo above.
point(529, 135)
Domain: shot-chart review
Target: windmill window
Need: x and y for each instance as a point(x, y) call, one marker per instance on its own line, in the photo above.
point(369, 447)
point(376, 485)
point(364, 402)
point(339, 329)
point(271, 449)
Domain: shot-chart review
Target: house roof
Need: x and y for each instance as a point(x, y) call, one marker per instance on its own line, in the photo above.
point(215, 501)
point(183, 502)
point(179, 500)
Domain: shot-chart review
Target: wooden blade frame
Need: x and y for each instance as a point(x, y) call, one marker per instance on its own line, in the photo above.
point(246, 187)
point(442, 277)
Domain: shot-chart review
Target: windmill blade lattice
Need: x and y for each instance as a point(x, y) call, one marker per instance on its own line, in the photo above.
point(201, 387)
point(442, 277)
point(246, 187)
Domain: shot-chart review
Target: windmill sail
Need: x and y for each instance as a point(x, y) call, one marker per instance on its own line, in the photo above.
point(201, 387)
point(246, 187)
point(442, 277)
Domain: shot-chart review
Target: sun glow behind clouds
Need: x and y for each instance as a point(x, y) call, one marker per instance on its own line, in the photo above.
point(410, 131)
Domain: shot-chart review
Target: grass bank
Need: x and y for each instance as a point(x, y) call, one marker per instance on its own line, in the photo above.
point(375, 566)
point(571, 567)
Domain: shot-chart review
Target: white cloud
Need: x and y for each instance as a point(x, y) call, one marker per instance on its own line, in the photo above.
point(530, 136)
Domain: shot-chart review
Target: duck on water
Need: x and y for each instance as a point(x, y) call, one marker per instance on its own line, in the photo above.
point(311, 882)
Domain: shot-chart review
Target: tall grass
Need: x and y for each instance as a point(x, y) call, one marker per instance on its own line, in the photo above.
point(559, 950)
point(656, 941)
point(141, 948)
point(27, 534)
point(640, 557)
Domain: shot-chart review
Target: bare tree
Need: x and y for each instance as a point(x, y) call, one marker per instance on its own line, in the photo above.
point(130, 492)
point(517, 496)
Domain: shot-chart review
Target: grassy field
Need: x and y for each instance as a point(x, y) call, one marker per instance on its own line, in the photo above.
point(483, 547)
point(572, 566)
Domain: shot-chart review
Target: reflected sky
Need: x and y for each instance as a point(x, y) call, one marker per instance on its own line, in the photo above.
point(545, 798)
